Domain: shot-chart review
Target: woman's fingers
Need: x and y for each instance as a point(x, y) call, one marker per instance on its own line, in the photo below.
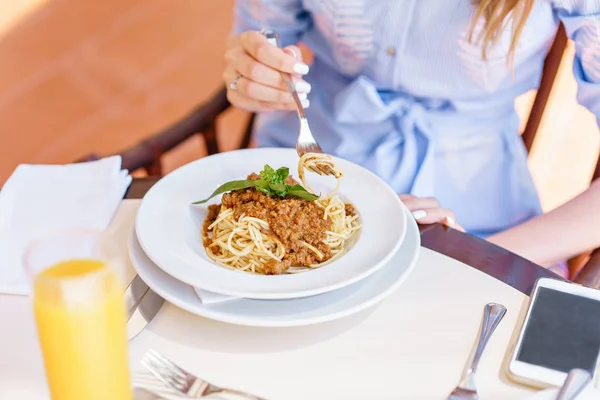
point(249, 104)
point(253, 70)
point(433, 215)
point(439, 215)
point(264, 52)
point(253, 74)
point(295, 52)
point(418, 203)
point(257, 91)
point(242, 63)
point(301, 85)
point(427, 210)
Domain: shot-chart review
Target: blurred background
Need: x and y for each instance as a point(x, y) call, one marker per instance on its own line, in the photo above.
point(82, 76)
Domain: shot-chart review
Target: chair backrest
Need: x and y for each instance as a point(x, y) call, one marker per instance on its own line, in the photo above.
point(551, 67)
point(148, 153)
point(585, 268)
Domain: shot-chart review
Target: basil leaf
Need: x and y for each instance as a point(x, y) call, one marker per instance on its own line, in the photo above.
point(279, 190)
point(281, 174)
point(228, 187)
point(300, 192)
point(263, 186)
point(271, 183)
point(267, 173)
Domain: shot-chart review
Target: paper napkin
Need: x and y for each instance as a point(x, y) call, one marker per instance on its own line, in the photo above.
point(207, 297)
point(40, 199)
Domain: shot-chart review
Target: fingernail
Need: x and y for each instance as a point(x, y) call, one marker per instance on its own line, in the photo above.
point(306, 103)
point(301, 68)
point(450, 221)
point(302, 96)
point(303, 87)
point(291, 52)
point(419, 214)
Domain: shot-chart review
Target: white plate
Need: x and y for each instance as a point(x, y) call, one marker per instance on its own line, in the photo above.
point(284, 313)
point(169, 227)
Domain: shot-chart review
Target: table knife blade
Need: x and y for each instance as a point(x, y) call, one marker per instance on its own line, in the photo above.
point(142, 306)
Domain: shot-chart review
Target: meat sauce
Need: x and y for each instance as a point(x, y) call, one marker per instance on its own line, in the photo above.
point(291, 221)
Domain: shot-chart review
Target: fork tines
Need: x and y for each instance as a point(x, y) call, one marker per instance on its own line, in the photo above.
point(183, 381)
point(166, 371)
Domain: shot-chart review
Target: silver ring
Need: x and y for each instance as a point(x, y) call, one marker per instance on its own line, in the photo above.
point(234, 83)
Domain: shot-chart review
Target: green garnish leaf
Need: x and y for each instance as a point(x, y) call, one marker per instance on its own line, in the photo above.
point(278, 177)
point(282, 174)
point(263, 186)
point(267, 173)
point(300, 192)
point(271, 182)
point(279, 190)
point(228, 187)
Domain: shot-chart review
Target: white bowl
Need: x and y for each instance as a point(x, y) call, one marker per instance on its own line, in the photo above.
point(169, 227)
point(292, 312)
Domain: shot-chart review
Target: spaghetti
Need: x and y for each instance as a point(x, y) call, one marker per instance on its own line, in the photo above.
point(255, 231)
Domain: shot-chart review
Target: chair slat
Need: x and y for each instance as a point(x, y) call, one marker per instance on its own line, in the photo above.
point(551, 67)
point(147, 154)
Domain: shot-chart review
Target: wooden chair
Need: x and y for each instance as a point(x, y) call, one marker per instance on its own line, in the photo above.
point(202, 121)
point(585, 268)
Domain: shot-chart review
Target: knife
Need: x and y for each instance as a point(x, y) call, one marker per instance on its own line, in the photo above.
point(142, 306)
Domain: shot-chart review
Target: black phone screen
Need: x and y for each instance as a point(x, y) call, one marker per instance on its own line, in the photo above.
point(563, 332)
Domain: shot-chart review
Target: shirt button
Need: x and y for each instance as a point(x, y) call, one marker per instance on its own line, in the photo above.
point(391, 51)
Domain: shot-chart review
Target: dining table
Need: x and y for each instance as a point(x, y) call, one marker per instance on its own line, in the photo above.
point(412, 345)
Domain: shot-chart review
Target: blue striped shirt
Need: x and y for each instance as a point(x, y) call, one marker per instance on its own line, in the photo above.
point(399, 88)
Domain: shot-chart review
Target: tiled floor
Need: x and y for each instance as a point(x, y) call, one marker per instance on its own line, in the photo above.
point(82, 75)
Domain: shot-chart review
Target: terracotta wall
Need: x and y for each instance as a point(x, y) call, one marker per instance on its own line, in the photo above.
point(84, 75)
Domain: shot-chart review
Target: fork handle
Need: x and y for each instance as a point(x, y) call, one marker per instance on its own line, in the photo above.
point(576, 381)
point(273, 38)
point(492, 315)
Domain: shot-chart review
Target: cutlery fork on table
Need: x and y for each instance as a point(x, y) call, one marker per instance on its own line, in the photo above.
point(183, 381)
point(466, 390)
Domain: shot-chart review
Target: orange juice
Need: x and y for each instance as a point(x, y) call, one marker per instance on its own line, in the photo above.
point(80, 316)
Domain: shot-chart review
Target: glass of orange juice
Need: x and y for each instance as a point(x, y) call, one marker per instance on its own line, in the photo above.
point(80, 314)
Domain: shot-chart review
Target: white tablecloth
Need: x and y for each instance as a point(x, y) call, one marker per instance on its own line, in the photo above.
point(411, 346)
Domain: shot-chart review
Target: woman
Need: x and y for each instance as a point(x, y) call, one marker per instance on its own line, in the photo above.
point(422, 93)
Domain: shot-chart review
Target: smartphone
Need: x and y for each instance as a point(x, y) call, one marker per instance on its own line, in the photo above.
point(560, 331)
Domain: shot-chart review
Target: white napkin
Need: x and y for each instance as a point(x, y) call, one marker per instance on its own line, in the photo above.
point(550, 394)
point(38, 199)
point(207, 297)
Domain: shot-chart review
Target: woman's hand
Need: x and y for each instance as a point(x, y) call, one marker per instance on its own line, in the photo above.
point(427, 210)
point(252, 74)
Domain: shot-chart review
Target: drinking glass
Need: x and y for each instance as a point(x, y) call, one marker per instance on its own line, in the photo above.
point(80, 315)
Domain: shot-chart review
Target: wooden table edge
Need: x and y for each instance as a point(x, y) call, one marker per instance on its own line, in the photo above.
point(495, 261)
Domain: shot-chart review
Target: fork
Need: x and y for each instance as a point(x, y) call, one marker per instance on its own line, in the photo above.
point(306, 142)
point(183, 381)
point(466, 390)
point(576, 381)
